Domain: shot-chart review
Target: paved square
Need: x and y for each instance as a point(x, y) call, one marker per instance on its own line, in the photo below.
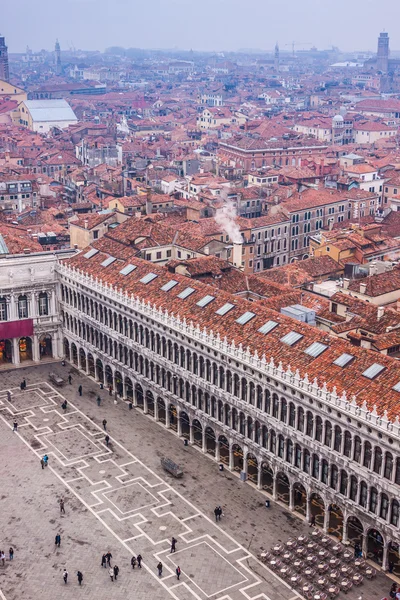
point(73, 444)
point(131, 498)
point(26, 400)
point(208, 570)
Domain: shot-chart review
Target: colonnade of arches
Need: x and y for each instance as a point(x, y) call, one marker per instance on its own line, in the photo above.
point(266, 456)
point(19, 350)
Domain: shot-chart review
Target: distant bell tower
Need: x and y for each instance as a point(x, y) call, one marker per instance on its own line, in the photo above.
point(57, 57)
point(4, 71)
point(382, 59)
point(276, 57)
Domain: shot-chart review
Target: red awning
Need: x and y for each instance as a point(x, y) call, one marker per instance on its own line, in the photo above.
point(16, 329)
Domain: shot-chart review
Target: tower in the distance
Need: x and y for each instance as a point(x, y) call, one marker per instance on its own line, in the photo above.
point(57, 51)
point(382, 59)
point(4, 71)
point(276, 57)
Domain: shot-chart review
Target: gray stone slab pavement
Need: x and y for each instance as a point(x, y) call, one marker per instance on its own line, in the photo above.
point(122, 500)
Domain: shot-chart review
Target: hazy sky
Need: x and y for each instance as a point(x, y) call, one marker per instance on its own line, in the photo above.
point(199, 24)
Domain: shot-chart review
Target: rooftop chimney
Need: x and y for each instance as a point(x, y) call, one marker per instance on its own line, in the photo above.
point(149, 204)
point(363, 288)
point(380, 312)
point(237, 255)
point(86, 223)
point(346, 283)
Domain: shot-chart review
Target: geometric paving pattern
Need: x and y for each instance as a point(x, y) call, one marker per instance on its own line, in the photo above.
point(141, 510)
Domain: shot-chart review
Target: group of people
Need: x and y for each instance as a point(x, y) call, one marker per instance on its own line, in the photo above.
point(218, 513)
point(106, 562)
point(3, 556)
point(22, 385)
point(395, 591)
point(78, 574)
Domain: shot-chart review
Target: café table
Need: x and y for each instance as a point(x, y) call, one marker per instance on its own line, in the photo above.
point(359, 563)
point(357, 579)
point(316, 533)
point(300, 551)
point(308, 572)
point(347, 555)
point(311, 545)
point(298, 564)
point(333, 591)
point(322, 567)
point(274, 563)
point(291, 543)
point(302, 539)
point(287, 556)
point(333, 562)
point(321, 581)
point(319, 596)
point(277, 549)
point(294, 579)
point(344, 569)
point(333, 575)
point(310, 559)
point(336, 548)
point(369, 573)
point(284, 570)
point(322, 553)
point(324, 541)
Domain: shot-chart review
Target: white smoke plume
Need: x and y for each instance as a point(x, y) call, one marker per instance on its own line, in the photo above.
point(226, 218)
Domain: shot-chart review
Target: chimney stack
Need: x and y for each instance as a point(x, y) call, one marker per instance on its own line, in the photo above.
point(380, 312)
point(237, 254)
point(363, 288)
point(149, 204)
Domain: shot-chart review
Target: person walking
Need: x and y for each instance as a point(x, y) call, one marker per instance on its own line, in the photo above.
point(103, 561)
point(11, 553)
point(58, 540)
point(111, 573)
point(24, 384)
point(98, 400)
point(69, 379)
point(133, 562)
point(219, 513)
point(15, 426)
point(80, 577)
point(9, 396)
point(107, 438)
point(110, 390)
point(105, 424)
point(216, 513)
point(116, 571)
point(178, 572)
point(80, 390)
point(159, 569)
point(62, 507)
point(42, 463)
point(65, 576)
point(2, 557)
point(173, 545)
point(46, 460)
point(108, 558)
point(139, 561)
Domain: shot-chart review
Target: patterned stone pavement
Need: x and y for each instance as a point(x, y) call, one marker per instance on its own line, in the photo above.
point(118, 498)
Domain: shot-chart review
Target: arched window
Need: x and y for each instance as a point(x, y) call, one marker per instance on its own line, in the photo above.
point(328, 434)
point(388, 466)
point(43, 304)
point(318, 429)
point(334, 477)
point(384, 507)
point(378, 460)
point(394, 514)
point(338, 439)
point(325, 471)
point(275, 406)
point(281, 447)
point(22, 307)
point(373, 500)
point(363, 494)
point(347, 444)
point(306, 463)
point(343, 482)
point(315, 466)
point(353, 488)
point(272, 442)
point(292, 415)
point(300, 419)
point(367, 454)
point(289, 451)
point(310, 424)
point(283, 410)
point(357, 449)
point(297, 457)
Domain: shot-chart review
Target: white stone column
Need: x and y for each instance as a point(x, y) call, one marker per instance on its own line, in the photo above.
point(326, 520)
point(145, 403)
point(308, 508)
point(291, 497)
point(259, 476)
point(274, 487)
point(15, 351)
point(191, 434)
point(156, 409)
point(167, 416)
point(385, 557)
point(345, 528)
point(35, 348)
point(364, 545)
point(217, 452)
point(231, 459)
point(203, 440)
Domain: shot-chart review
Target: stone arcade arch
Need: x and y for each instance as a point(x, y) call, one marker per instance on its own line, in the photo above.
point(223, 450)
point(267, 478)
point(6, 353)
point(283, 488)
point(210, 441)
point(139, 396)
point(90, 363)
point(335, 525)
point(317, 509)
point(25, 349)
point(252, 468)
point(237, 458)
point(185, 425)
point(100, 370)
point(355, 531)
point(150, 403)
point(197, 433)
point(161, 410)
point(375, 545)
point(300, 498)
point(45, 346)
point(82, 359)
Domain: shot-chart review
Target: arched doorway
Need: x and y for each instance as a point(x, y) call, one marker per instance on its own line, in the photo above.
point(25, 349)
point(161, 410)
point(267, 478)
point(109, 377)
point(223, 450)
point(139, 396)
point(355, 531)
point(74, 354)
point(375, 545)
point(45, 346)
point(173, 417)
point(118, 383)
point(299, 498)
point(197, 433)
point(5, 351)
point(317, 509)
point(150, 403)
point(90, 361)
point(252, 468)
point(283, 488)
point(82, 358)
point(210, 440)
point(237, 452)
point(66, 349)
point(185, 425)
point(394, 557)
point(100, 370)
point(335, 526)
point(129, 388)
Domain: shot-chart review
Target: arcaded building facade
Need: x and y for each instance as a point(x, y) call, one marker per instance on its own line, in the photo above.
point(307, 418)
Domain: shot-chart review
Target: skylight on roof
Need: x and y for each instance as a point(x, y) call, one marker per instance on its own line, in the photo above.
point(268, 326)
point(108, 261)
point(245, 318)
point(147, 278)
point(169, 285)
point(373, 371)
point(291, 338)
point(127, 269)
point(224, 309)
point(204, 301)
point(315, 349)
point(186, 293)
point(91, 253)
point(343, 360)
point(396, 387)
